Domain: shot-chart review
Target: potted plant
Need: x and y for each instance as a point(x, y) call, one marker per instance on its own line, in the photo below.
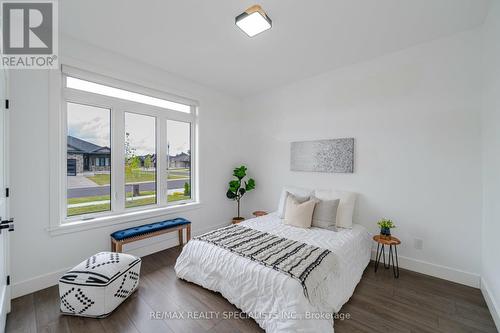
point(385, 227)
point(238, 187)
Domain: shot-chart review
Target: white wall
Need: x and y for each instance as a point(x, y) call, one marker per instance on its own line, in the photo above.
point(415, 116)
point(491, 163)
point(38, 257)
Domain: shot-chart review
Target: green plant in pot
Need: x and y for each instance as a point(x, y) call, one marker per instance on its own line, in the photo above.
point(385, 226)
point(238, 187)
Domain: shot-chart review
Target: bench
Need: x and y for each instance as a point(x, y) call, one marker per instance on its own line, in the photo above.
point(121, 237)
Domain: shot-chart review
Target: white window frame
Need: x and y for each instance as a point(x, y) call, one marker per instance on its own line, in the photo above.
point(60, 95)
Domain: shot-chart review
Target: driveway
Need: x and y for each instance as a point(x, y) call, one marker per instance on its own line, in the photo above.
point(79, 182)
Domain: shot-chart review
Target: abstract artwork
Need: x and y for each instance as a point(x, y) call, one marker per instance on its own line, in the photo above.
point(335, 155)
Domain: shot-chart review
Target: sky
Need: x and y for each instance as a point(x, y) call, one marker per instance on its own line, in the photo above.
point(89, 123)
point(92, 124)
point(141, 131)
point(178, 137)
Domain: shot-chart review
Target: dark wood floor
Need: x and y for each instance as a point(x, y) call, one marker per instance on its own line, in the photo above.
point(413, 303)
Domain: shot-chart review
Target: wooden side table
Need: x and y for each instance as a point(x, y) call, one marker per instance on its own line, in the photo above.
point(258, 213)
point(237, 220)
point(392, 242)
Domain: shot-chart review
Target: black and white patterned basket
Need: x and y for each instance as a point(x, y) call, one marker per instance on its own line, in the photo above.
point(96, 286)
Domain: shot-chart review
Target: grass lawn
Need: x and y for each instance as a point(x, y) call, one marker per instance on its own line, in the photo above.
point(177, 196)
point(72, 201)
point(89, 209)
point(140, 202)
point(100, 179)
point(138, 175)
point(178, 176)
point(180, 170)
point(135, 176)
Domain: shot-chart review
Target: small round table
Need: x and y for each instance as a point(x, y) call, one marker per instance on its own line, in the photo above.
point(392, 242)
point(259, 213)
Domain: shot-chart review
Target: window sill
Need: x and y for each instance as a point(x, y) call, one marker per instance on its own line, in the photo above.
point(105, 221)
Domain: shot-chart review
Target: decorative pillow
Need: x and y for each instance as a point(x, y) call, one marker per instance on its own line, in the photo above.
point(346, 205)
point(299, 214)
point(325, 214)
point(300, 194)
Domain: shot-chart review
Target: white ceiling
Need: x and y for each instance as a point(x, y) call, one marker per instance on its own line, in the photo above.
point(197, 39)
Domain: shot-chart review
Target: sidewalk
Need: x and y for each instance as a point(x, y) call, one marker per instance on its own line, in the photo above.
point(101, 202)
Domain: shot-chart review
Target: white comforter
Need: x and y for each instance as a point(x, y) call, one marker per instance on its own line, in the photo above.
point(272, 298)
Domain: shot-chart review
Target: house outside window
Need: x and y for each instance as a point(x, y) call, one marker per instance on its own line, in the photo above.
point(83, 151)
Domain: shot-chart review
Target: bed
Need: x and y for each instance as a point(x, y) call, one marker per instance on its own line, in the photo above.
point(276, 301)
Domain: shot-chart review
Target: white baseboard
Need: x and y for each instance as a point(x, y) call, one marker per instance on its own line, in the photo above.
point(140, 248)
point(37, 283)
point(439, 271)
point(492, 304)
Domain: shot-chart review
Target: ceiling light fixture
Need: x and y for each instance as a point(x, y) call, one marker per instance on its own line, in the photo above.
point(253, 21)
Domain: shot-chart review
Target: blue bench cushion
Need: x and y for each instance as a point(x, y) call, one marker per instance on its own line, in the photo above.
point(148, 228)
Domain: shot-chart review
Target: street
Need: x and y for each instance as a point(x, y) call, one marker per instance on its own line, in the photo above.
point(105, 189)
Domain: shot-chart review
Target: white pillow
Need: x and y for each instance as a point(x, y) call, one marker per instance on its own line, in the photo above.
point(298, 214)
point(346, 205)
point(325, 214)
point(301, 195)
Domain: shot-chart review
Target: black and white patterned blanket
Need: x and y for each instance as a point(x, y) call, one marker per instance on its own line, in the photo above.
point(308, 264)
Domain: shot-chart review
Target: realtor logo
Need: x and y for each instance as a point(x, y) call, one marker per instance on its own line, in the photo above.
point(29, 38)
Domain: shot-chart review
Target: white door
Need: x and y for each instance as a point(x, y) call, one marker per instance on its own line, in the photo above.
point(4, 235)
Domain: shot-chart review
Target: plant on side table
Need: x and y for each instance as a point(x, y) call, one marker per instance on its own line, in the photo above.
point(385, 227)
point(238, 187)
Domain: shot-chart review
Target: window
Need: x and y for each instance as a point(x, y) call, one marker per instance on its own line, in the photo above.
point(88, 132)
point(101, 89)
point(140, 154)
point(125, 151)
point(179, 160)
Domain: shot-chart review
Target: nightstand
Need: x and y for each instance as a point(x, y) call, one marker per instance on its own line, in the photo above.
point(237, 220)
point(258, 213)
point(393, 242)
